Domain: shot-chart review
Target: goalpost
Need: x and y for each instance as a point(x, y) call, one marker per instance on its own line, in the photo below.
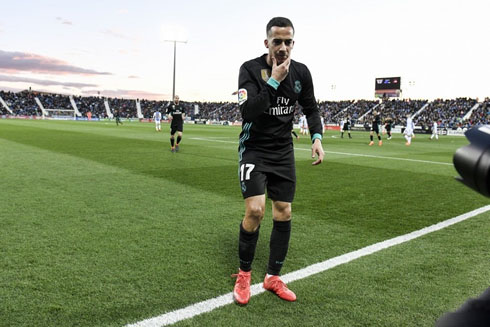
point(59, 114)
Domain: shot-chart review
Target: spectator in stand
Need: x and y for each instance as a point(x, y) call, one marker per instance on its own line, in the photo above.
point(449, 112)
point(21, 103)
point(481, 116)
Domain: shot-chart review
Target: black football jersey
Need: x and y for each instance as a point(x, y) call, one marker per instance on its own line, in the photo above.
point(268, 113)
point(176, 110)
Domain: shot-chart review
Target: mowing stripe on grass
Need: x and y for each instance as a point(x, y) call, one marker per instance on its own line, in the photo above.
point(342, 153)
point(211, 304)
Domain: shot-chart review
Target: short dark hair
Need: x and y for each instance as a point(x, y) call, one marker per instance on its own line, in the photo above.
point(279, 22)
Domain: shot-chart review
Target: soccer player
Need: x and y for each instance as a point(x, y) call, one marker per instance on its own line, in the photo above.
point(346, 127)
point(375, 128)
point(176, 115)
point(434, 130)
point(409, 130)
point(118, 117)
point(269, 87)
point(388, 123)
point(303, 125)
point(157, 117)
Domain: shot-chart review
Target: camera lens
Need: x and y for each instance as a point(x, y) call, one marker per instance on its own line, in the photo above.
point(473, 164)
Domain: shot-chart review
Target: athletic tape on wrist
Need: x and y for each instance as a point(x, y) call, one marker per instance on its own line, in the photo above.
point(316, 136)
point(272, 82)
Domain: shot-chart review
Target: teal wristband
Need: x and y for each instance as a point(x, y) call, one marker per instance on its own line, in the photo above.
point(316, 136)
point(272, 82)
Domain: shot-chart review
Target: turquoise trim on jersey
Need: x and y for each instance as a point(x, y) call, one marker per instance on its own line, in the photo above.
point(316, 136)
point(272, 82)
point(246, 136)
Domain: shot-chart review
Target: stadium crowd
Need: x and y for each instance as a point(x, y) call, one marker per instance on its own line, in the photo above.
point(21, 103)
point(331, 109)
point(481, 116)
point(448, 113)
point(357, 110)
point(94, 105)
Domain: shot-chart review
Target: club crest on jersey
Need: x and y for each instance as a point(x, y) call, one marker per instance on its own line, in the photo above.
point(242, 96)
point(297, 86)
point(266, 74)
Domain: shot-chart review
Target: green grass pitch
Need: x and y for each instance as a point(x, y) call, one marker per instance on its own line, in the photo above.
point(104, 226)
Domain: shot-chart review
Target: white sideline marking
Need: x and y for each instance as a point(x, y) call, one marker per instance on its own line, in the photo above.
point(343, 153)
point(211, 304)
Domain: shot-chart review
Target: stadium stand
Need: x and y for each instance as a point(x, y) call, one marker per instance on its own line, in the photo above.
point(94, 105)
point(331, 109)
point(450, 113)
point(481, 116)
point(356, 110)
point(21, 104)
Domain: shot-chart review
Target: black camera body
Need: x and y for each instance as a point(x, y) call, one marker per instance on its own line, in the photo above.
point(473, 161)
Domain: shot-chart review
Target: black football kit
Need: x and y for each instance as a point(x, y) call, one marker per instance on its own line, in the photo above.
point(376, 123)
point(176, 110)
point(266, 147)
point(346, 126)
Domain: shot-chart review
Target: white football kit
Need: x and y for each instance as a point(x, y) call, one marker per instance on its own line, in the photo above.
point(409, 131)
point(303, 125)
point(157, 117)
point(434, 131)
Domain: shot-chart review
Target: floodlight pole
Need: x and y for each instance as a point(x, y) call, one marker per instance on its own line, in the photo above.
point(175, 60)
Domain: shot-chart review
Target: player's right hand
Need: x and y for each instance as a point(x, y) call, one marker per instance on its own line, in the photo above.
point(280, 72)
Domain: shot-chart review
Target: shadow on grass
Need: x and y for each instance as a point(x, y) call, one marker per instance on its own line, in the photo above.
point(194, 165)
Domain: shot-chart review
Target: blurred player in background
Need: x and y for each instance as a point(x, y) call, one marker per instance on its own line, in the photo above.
point(346, 127)
point(176, 115)
point(118, 117)
point(409, 130)
point(157, 117)
point(434, 131)
point(303, 125)
point(375, 128)
point(388, 123)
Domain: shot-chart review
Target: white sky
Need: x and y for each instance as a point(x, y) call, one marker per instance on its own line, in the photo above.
point(441, 45)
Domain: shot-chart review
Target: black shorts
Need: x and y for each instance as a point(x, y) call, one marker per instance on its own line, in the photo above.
point(346, 128)
point(388, 128)
point(257, 173)
point(375, 128)
point(176, 128)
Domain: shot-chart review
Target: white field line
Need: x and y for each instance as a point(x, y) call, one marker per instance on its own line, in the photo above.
point(343, 153)
point(217, 302)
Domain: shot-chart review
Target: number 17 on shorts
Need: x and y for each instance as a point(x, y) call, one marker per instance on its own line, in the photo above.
point(245, 171)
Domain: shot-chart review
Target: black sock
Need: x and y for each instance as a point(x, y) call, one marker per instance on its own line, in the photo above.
point(172, 141)
point(379, 137)
point(371, 137)
point(179, 138)
point(246, 247)
point(342, 134)
point(279, 243)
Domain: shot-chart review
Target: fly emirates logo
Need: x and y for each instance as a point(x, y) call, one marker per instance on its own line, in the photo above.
point(284, 106)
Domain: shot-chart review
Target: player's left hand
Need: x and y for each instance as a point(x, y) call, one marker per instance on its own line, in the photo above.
point(317, 149)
